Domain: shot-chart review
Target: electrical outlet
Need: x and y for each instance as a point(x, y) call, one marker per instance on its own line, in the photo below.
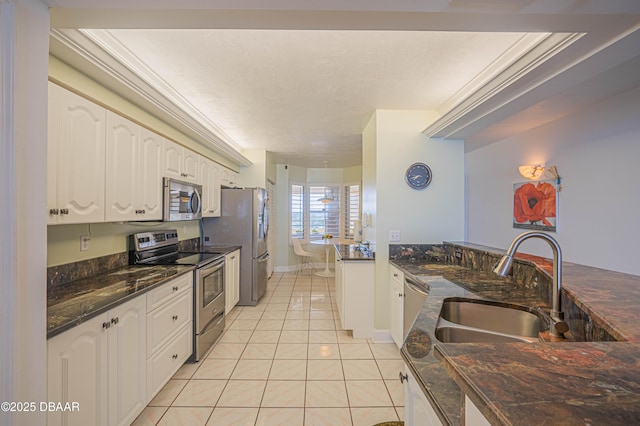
point(394, 235)
point(84, 242)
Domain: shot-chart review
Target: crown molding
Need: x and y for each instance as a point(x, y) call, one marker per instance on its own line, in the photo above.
point(104, 52)
point(482, 97)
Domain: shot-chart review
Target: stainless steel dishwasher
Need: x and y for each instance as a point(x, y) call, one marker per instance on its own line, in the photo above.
point(414, 296)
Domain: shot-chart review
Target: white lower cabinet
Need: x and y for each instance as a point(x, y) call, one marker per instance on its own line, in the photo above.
point(104, 364)
point(169, 331)
point(472, 415)
point(396, 298)
point(355, 282)
point(100, 365)
point(417, 409)
point(231, 280)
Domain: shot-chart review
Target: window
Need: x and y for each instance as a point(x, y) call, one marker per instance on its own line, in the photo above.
point(351, 210)
point(324, 211)
point(297, 211)
point(317, 210)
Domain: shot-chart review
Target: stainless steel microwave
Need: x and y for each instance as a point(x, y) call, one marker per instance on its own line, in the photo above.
point(182, 200)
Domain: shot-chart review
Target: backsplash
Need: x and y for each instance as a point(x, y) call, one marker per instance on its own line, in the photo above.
point(63, 274)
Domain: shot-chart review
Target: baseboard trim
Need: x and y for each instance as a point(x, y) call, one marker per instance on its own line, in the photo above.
point(382, 336)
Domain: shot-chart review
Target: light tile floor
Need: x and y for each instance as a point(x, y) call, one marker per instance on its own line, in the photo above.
point(286, 361)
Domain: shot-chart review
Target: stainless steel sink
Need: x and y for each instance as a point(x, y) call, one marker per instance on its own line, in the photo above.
point(471, 320)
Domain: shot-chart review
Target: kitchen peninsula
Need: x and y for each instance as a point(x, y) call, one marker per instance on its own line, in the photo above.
point(593, 378)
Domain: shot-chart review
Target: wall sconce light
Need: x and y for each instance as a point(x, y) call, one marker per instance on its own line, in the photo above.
point(531, 171)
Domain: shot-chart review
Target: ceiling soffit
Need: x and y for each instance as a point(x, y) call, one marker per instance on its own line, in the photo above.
point(129, 71)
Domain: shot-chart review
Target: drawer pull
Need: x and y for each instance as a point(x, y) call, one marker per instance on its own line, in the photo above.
point(175, 288)
point(174, 356)
point(395, 275)
point(403, 377)
point(175, 317)
point(115, 320)
point(106, 325)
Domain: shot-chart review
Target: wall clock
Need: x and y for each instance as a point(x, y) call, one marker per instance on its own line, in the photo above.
point(418, 176)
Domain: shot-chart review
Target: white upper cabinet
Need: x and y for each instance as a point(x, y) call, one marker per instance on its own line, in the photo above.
point(228, 178)
point(181, 163)
point(134, 171)
point(210, 177)
point(76, 152)
point(150, 184)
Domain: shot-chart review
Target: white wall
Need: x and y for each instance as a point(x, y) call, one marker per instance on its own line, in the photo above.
point(423, 216)
point(254, 175)
point(24, 43)
point(597, 152)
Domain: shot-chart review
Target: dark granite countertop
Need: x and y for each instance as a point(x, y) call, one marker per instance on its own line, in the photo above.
point(222, 249)
point(75, 302)
point(354, 252)
point(545, 383)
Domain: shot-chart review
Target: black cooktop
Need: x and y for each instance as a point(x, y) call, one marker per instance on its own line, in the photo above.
point(186, 259)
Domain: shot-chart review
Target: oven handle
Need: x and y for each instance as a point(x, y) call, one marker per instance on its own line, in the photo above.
point(214, 266)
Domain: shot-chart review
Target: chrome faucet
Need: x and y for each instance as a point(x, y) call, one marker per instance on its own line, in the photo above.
point(557, 327)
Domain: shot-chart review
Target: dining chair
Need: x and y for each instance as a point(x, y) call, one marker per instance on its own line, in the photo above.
point(304, 256)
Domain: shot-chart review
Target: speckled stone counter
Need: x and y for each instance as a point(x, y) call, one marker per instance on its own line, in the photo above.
point(218, 249)
point(75, 302)
point(518, 383)
point(354, 252)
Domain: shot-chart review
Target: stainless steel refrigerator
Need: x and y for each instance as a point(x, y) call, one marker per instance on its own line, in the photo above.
point(244, 221)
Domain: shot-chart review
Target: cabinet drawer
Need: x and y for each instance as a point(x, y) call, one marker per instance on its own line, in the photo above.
point(164, 363)
point(164, 321)
point(169, 290)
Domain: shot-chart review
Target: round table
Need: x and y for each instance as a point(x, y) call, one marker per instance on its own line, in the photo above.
point(328, 243)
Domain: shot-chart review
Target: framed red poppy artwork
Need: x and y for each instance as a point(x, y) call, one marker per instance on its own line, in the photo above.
point(535, 205)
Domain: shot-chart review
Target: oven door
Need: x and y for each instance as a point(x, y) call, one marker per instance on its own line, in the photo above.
point(209, 293)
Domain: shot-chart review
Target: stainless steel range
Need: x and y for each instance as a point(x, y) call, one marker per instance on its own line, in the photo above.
point(161, 248)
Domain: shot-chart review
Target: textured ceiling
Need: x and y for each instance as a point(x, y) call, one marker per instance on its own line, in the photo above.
point(307, 95)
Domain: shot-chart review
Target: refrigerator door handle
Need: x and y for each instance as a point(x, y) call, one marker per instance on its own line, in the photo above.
point(263, 258)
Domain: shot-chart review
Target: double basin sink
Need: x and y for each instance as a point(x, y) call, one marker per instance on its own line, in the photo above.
point(464, 320)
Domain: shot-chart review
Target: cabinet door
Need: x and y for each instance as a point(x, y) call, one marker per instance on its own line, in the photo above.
point(77, 372)
point(232, 280)
point(210, 177)
point(191, 166)
point(214, 191)
point(396, 298)
point(358, 289)
point(340, 290)
point(123, 141)
point(173, 158)
point(127, 361)
point(419, 410)
point(149, 187)
point(53, 135)
point(81, 160)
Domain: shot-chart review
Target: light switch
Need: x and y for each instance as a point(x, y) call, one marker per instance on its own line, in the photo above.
point(394, 235)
